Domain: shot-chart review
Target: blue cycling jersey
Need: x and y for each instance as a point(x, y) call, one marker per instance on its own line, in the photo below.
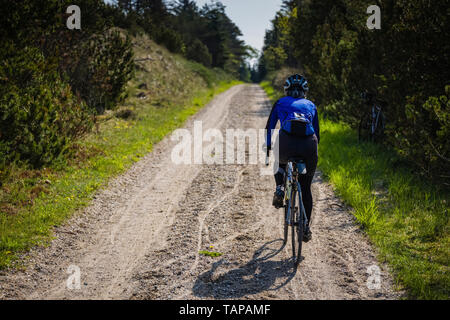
point(287, 109)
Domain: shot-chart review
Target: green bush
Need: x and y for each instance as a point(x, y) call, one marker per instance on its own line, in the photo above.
point(38, 112)
point(170, 39)
point(197, 51)
point(100, 69)
point(211, 76)
point(423, 136)
point(52, 79)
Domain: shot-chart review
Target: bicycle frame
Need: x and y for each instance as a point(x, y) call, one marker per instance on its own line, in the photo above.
point(293, 183)
point(295, 214)
point(371, 125)
point(376, 111)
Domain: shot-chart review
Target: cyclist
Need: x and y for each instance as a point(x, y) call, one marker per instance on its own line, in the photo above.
point(298, 138)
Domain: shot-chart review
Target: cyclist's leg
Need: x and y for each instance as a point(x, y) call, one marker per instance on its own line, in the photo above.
point(311, 157)
point(305, 183)
point(278, 196)
point(284, 147)
point(279, 175)
point(283, 150)
point(309, 151)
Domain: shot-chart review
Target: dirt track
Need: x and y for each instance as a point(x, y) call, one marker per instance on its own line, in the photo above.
point(140, 237)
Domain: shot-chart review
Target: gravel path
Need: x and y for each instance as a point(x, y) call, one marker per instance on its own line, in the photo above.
point(140, 237)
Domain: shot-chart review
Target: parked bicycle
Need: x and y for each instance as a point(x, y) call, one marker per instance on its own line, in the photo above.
point(371, 126)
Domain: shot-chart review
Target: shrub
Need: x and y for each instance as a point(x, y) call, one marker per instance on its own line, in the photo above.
point(38, 112)
point(423, 136)
point(197, 51)
point(170, 39)
point(100, 69)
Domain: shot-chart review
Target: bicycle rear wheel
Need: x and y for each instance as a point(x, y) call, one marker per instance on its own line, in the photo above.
point(379, 130)
point(286, 224)
point(364, 129)
point(292, 220)
point(299, 224)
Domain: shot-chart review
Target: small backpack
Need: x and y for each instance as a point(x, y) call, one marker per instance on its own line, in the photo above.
point(300, 126)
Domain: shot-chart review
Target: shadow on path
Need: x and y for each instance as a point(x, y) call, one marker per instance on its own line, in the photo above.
point(258, 275)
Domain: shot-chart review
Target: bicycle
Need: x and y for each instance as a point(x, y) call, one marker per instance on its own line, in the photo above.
point(293, 218)
point(371, 126)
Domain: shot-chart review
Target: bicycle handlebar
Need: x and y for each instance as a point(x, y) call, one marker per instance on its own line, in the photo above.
point(371, 98)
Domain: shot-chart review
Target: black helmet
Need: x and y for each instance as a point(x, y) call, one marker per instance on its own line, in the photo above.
point(296, 86)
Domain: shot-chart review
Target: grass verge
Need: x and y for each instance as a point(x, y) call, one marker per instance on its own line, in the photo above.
point(271, 92)
point(32, 202)
point(405, 218)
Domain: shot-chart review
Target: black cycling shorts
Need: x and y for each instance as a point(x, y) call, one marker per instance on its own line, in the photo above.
point(291, 146)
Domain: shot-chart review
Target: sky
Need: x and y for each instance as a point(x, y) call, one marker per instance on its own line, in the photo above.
point(251, 16)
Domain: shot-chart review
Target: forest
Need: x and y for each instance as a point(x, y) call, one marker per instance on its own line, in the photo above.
point(405, 64)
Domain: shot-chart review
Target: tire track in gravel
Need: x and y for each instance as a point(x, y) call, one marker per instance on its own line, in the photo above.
point(141, 237)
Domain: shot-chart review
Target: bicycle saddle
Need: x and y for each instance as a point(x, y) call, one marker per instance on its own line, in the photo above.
point(300, 163)
point(296, 160)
